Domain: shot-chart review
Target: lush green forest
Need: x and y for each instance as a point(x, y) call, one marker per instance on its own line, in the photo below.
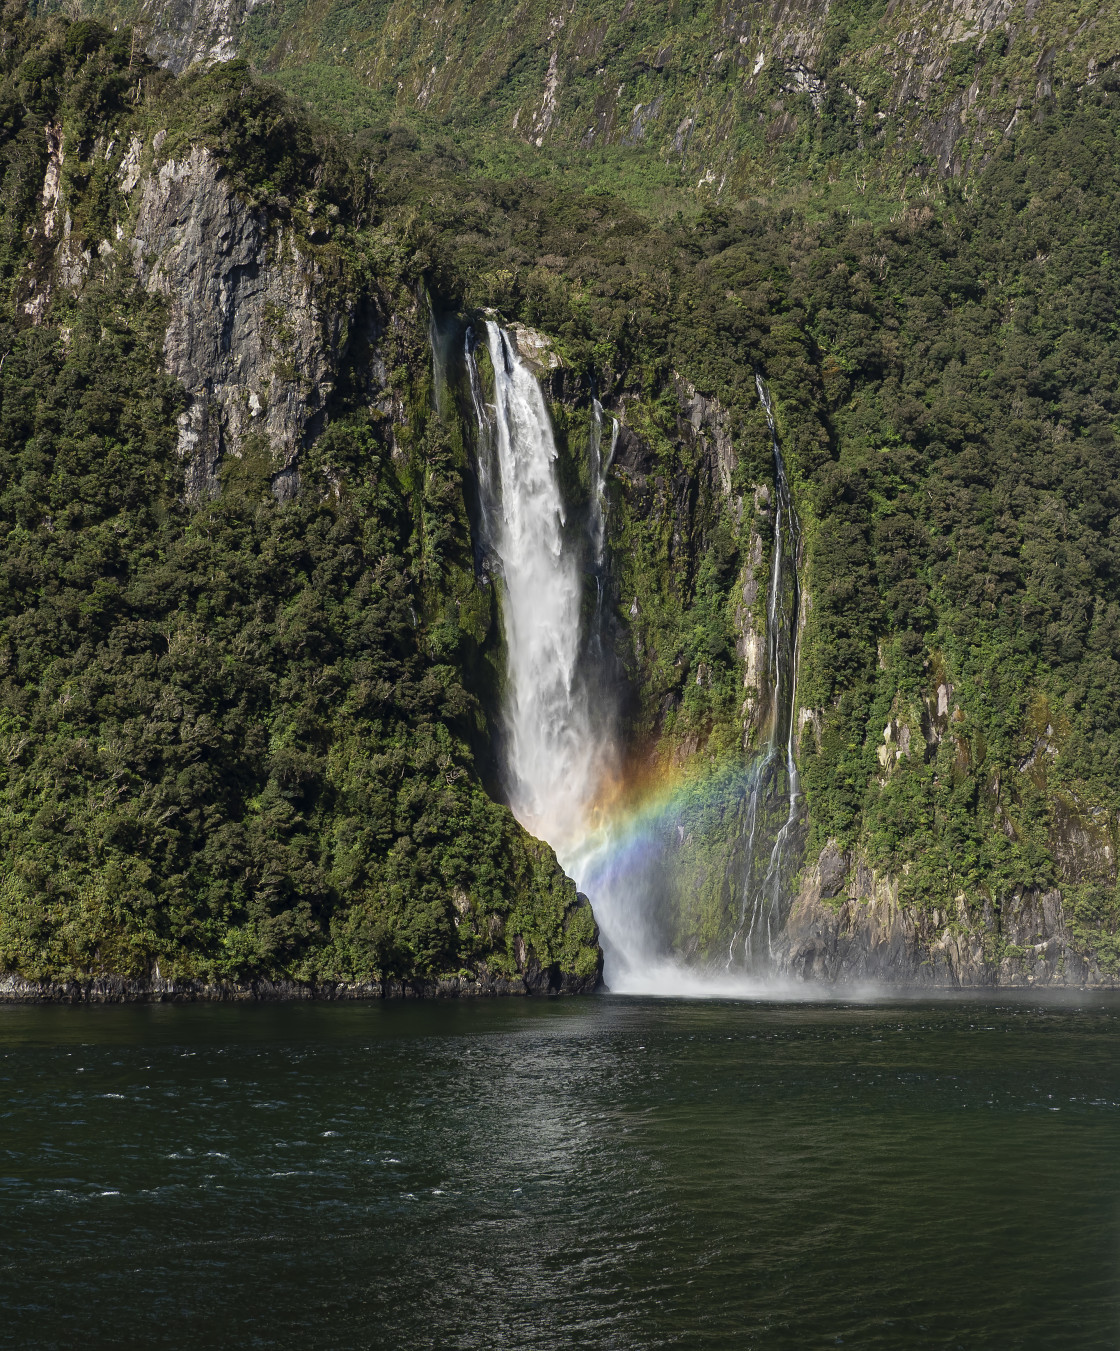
point(231, 747)
point(251, 734)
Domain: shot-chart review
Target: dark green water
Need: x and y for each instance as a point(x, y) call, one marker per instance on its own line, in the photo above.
point(584, 1173)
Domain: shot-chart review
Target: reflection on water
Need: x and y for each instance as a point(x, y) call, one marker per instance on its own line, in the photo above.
point(592, 1173)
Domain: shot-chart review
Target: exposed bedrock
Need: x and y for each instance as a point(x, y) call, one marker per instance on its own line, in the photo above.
point(253, 336)
point(848, 924)
point(247, 337)
point(534, 981)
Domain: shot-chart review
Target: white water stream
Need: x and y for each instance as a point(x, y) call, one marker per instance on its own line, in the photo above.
point(775, 782)
point(553, 758)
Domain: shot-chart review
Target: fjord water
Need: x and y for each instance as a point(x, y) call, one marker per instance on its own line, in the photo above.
point(585, 1173)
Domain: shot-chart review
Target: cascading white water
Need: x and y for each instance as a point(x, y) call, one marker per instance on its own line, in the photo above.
point(553, 758)
point(557, 746)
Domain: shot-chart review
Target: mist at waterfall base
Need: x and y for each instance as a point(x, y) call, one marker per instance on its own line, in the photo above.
point(565, 778)
point(631, 868)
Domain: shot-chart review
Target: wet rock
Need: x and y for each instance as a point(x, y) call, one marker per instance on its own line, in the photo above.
point(536, 980)
point(632, 453)
point(873, 937)
point(832, 870)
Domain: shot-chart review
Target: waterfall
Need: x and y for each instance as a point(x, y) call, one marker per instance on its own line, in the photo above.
point(600, 468)
point(775, 790)
point(553, 756)
point(558, 746)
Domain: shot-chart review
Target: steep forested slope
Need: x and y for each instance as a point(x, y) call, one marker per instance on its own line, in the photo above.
point(252, 664)
point(734, 97)
point(231, 746)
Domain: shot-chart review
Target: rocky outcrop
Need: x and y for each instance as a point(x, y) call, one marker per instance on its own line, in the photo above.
point(847, 924)
point(246, 336)
point(535, 348)
point(706, 422)
point(1080, 841)
point(750, 644)
point(179, 33)
point(249, 336)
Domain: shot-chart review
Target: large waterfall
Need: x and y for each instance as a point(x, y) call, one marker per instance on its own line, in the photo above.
point(558, 753)
point(554, 760)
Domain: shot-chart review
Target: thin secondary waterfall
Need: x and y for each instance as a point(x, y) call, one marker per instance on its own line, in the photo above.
point(600, 468)
point(553, 758)
point(775, 790)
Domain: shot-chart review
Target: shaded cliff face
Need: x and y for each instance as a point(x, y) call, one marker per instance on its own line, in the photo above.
point(724, 96)
point(847, 924)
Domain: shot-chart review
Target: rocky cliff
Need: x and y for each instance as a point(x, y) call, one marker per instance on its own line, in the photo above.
point(247, 337)
point(848, 924)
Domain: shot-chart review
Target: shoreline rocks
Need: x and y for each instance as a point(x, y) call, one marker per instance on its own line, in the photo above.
point(538, 983)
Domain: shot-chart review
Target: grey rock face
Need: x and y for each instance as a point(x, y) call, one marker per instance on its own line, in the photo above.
point(861, 932)
point(182, 32)
point(249, 336)
point(832, 870)
point(246, 337)
point(1080, 844)
point(535, 348)
point(706, 421)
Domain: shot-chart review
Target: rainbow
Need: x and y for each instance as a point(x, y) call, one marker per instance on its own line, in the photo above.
point(637, 810)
